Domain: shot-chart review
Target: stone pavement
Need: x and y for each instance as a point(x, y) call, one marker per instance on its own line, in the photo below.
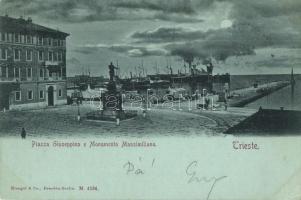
point(61, 122)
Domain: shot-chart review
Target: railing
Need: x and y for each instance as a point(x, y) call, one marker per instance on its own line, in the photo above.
point(53, 78)
point(47, 63)
point(24, 79)
point(9, 79)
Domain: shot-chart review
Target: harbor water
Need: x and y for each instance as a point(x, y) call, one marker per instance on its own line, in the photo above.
point(280, 98)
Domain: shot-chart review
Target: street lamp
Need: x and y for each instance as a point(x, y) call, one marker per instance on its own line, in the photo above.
point(147, 98)
point(78, 112)
point(204, 98)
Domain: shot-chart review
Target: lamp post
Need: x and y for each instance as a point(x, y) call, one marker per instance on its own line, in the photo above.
point(147, 98)
point(78, 102)
point(204, 98)
point(78, 112)
point(118, 118)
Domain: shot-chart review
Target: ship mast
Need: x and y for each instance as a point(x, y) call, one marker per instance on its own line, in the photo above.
point(293, 82)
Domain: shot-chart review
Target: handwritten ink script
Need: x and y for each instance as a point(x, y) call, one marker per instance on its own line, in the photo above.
point(132, 169)
point(191, 172)
point(135, 169)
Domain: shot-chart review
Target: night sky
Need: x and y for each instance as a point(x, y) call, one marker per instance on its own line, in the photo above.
point(239, 36)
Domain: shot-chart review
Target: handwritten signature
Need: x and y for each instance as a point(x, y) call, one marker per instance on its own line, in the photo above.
point(131, 167)
point(134, 168)
point(191, 172)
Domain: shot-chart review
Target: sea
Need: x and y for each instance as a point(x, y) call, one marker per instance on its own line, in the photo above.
point(281, 98)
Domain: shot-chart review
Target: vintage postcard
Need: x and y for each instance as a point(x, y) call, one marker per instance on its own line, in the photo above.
point(150, 99)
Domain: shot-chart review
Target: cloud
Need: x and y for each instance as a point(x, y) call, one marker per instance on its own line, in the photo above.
point(102, 10)
point(241, 39)
point(63, 10)
point(267, 8)
point(130, 50)
point(254, 25)
point(179, 18)
point(85, 50)
point(182, 11)
point(167, 6)
point(167, 34)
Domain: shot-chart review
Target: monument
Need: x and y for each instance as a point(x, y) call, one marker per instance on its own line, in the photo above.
point(112, 109)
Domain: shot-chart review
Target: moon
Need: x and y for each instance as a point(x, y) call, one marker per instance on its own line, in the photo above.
point(226, 23)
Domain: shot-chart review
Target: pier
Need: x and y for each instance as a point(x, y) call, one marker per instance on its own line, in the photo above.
point(242, 97)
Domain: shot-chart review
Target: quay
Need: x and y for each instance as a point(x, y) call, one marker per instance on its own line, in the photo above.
point(242, 97)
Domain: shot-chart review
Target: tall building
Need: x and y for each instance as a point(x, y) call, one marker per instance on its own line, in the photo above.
point(32, 65)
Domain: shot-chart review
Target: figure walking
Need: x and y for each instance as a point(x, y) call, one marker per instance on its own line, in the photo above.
point(226, 105)
point(23, 133)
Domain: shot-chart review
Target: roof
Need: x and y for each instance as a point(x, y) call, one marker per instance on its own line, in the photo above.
point(21, 25)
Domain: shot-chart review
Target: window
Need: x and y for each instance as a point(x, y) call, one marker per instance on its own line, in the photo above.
point(10, 37)
point(30, 95)
point(3, 54)
point(3, 37)
point(18, 96)
point(17, 37)
point(17, 72)
point(50, 55)
point(5, 72)
point(41, 55)
point(60, 92)
point(17, 54)
point(41, 94)
point(28, 55)
point(41, 72)
point(49, 41)
point(29, 72)
point(55, 42)
point(55, 56)
point(40, 40)
point(60, 56)
point(28, 39)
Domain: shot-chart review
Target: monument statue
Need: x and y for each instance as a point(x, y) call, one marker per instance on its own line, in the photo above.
point(112, 71)
point(112, 103)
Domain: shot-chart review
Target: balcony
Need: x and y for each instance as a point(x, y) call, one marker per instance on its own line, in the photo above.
point(51, 63)
point(52, 78)
point(9, 79)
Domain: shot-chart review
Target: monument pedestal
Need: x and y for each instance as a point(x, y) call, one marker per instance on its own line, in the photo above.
point(111, 115)
point(112, 104)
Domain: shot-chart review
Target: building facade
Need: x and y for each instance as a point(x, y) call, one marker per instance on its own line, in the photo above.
point(32, 65)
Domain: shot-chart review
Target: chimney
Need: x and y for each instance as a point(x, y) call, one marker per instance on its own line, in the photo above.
point(29, 20)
